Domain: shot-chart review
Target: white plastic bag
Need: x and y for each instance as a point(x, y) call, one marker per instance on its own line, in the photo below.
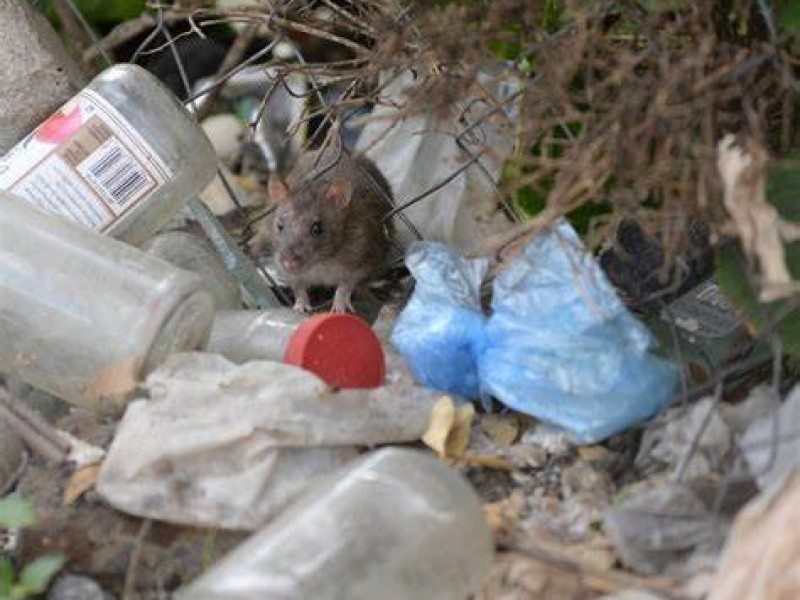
point(417, 152)
point(228, 446)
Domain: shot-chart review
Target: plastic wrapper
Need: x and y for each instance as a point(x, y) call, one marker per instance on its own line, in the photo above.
point(771, 444)
point(441, 327)
point(236, 443)
point(558, 345)
point(419, 151)
point(561, 345)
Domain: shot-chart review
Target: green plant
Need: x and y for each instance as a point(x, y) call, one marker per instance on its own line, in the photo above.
point(781, 317)
point(101, 12)
point(34, 577)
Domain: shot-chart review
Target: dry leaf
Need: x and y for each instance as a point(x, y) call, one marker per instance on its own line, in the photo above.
point(596, 553)
point(536, 573)
point(458, 439)
point(119, 378)
point(501, 429)
point(762, 556)
point(442, 416)
point(593, 453)
point(503, 515)
point(449, 429)
point(514, 575)
point(490, 462)
point(761, 229)
point(81, 481)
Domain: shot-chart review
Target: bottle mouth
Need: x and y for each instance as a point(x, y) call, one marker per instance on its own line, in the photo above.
point(185, 329)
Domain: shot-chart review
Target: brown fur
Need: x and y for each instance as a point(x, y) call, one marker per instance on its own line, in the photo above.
point(345, 196)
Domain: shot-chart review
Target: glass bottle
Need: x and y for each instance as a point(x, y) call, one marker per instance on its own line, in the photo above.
point(243, 335)
point(397, 525)
point(85, 317)
point(196, 254)
point(121, 157)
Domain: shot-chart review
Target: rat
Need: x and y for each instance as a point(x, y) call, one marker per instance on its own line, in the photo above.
point(328, 226)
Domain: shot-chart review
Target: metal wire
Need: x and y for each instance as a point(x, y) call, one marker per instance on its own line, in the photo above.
point(90, 32)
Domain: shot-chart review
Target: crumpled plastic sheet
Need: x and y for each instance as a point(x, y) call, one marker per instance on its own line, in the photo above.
point(228, 446)
point(559, 344)
point(771, 444)
point(441, 325)
point(419, 151)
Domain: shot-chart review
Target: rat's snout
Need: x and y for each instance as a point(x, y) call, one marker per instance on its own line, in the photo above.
point(290, 260)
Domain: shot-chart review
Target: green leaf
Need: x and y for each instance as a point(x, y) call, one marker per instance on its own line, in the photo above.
point(6, 577)
point(111, 10)
point(783, 186)
point(788, 15)
point(36, 576)
point(733, 279)
point(530, 200)
point(101, 14)
point(504, 49)
point(783, 192)
point(16, 512)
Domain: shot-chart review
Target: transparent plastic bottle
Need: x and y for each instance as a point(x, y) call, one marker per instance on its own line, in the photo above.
point(121, 157)
point(396, 524)
point(84, 316)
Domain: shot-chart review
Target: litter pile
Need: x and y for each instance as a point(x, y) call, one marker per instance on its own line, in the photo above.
point(508, 414)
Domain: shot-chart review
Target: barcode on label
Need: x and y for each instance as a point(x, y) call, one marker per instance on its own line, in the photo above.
point(116, 174)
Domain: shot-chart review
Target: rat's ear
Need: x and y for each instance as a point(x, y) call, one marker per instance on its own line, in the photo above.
point(339, 193)
point(278, 189)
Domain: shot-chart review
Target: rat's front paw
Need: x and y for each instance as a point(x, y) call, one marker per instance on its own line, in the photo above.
point(342, 306)
point(341, 299)
point(301, 302)
point(302, 306)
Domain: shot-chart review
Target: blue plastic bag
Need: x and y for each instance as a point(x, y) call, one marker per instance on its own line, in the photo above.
point(559, 344)
point(441, 327)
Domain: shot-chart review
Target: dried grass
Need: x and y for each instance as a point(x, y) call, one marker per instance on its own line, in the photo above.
point(619, 106)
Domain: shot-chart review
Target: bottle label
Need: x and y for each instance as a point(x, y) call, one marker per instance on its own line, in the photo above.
point(86, 162)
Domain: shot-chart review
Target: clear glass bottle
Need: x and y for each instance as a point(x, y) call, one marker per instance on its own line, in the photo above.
point(121, 157)
point(84, 316)
point(243, 335)
point(196, 254)
point(395, 525)
point(341, 349)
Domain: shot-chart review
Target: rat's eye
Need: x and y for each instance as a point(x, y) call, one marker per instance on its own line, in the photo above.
point(279, 225)
point(316, 228)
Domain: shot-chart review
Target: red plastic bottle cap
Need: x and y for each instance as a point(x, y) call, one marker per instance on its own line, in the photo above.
point(340, 349)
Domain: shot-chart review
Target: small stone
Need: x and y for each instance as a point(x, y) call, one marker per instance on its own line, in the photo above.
point(594, 454)
point(75, 587)
point(771, 445)
point(501, 429)
point(36, 74)
point(657, 530)
point(581, 477)
point(553, 440)
point(527, 456)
